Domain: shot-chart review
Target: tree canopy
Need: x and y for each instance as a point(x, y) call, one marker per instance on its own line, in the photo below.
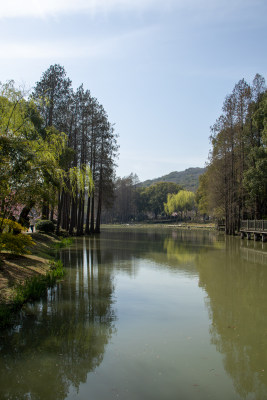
point(57, 153)
point(182, 201)
point(235, 184)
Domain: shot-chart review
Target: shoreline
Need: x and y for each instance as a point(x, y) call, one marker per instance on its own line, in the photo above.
point(180, 226)
point(26, 277)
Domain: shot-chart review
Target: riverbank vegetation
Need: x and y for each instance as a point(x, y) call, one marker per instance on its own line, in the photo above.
point(234, 186)
point(26, 277)
point(57, 164)
point(137, 203)
point(57, 152)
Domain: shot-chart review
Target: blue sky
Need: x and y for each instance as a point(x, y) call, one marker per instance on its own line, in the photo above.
point(161, 69)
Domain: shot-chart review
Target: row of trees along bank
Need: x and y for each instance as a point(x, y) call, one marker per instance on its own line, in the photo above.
point(57, 152)
point(136, 203)
point(234, 186)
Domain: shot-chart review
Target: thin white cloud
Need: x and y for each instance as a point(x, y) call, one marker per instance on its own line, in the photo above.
point(110, 46)
point(54, 8)
point(9, 51)
point(41, 9)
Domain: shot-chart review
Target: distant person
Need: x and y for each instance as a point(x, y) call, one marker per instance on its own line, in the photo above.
point(31, 225)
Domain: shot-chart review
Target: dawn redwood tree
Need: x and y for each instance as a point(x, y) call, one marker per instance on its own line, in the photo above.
point(53, 94)
point(91, 147)
point(235, 177)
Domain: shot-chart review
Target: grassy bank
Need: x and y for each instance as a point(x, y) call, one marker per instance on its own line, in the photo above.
point(174, 225)
point(25, 278)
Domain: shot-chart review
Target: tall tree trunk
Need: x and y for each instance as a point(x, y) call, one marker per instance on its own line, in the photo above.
point(98, 215)
point(87, 223)
point(23, 218)
point(59, 212)
point(92, 227)
point(80, 215)
point(73, 217)
point(52, 214)
point(45, 211)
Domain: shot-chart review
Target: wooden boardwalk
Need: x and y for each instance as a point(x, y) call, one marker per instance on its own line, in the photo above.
point(254, 228)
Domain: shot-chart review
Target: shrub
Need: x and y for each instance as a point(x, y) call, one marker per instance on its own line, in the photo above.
point(16, 244)
point(33, 289)
point(65, 242)
point(56, 270)
point(36, 286)
point(45, 226)
point(10, 226)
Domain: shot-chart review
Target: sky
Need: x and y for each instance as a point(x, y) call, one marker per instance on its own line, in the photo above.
point(161, 69)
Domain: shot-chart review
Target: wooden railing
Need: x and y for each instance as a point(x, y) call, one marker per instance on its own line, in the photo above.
point(254, 225)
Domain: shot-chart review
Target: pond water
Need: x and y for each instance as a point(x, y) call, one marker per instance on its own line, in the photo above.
point(145, 314)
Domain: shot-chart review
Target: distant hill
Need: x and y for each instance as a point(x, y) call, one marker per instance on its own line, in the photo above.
point(188, 178)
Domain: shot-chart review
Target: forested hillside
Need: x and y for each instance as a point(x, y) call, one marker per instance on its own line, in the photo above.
point(188, 179)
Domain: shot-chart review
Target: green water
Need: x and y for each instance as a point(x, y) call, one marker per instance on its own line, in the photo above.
point(145, 314)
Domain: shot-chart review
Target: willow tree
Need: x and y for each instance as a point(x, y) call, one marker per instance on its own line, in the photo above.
point(53, 95)
point(28, 155)
point(182, 201)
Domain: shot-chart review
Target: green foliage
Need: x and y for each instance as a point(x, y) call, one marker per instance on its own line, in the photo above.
point(15, 244)
point(81, 180)
point(235, 183)
point(56, 271)
point(45, 226)
point(188, 179)
point(156, 195)
point(10, 226)
point(11, 238)
point(255, 178)
point(135, 203)
point(180, 202)
point(35, 287)
point(202, 194)
point(29, 154)
point(63, 243)
point(31, 290)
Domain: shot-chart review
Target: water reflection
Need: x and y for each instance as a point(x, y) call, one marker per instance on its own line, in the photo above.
point(175, 249)
point(237, 299)
point(61, 339)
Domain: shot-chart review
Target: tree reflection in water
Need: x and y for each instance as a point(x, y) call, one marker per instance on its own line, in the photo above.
point(60, 339)
point(237, 304)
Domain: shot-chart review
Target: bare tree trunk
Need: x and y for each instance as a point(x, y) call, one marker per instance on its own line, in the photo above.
point(52, 214)
point(80, 215)
point(92, 227)
point(87, 224)
point(98, 215)
point(23, 218)
point(59, 212)
point(73, 217)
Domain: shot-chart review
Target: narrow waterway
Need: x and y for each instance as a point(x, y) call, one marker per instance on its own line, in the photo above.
point(145, 315)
